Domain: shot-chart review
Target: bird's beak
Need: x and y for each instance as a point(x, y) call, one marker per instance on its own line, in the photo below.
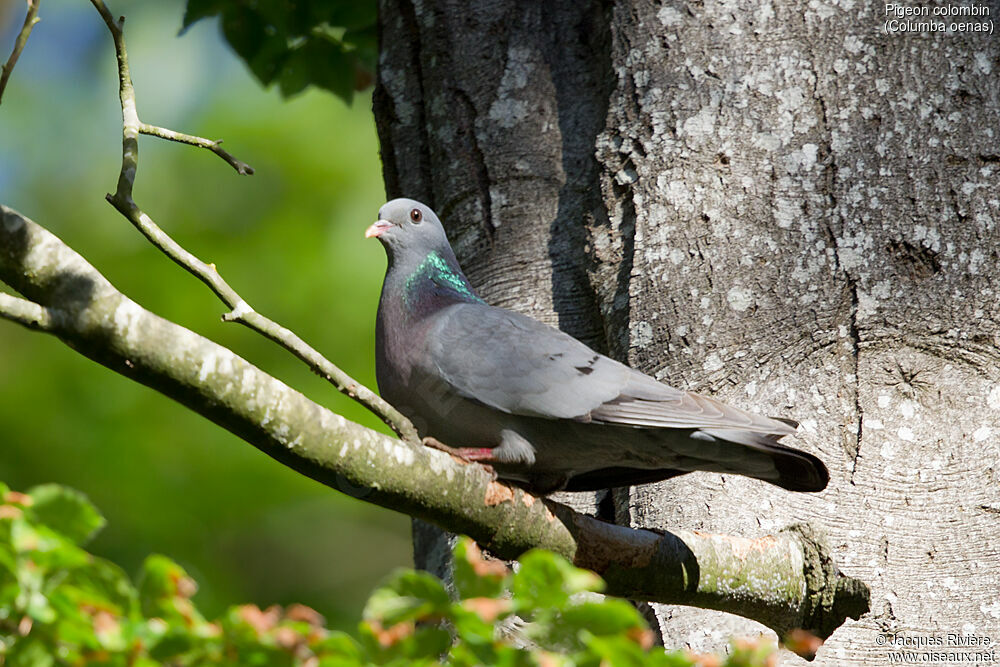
point(377, 228)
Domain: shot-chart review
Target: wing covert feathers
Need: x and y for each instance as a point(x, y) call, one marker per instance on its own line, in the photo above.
point(513, 363)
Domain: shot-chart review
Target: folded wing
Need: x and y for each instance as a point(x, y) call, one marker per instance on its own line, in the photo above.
point(513, 363)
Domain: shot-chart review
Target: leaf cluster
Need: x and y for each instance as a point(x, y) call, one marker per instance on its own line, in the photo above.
point(331, 44)
point(546, 613)
point(60, 605)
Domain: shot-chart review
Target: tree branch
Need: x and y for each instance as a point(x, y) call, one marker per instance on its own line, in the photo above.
point(215, 146)
point(22, 38)
point(786, 581)
point(24, 312)
point(240, 311)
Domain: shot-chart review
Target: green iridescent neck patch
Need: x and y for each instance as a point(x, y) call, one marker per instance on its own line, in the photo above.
point(436, 269)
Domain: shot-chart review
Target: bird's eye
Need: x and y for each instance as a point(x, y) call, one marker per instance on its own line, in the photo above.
point(416, 215)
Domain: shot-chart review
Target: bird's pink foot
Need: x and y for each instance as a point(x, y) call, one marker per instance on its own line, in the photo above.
point(478, 454)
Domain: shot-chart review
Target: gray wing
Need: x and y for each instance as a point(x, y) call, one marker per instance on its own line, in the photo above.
point(518, 365)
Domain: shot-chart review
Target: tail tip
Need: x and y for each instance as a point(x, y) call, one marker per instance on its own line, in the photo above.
point(801, 472)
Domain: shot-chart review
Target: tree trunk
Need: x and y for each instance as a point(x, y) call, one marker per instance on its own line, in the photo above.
point(776, 204)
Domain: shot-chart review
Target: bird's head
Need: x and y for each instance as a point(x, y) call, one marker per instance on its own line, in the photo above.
point(406, 225)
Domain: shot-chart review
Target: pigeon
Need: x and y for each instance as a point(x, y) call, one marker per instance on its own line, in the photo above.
point(543, 410)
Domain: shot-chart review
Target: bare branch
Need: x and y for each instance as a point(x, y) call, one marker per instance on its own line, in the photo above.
point(215, 146)
point(22, 38)
point(240, 311)
point(785, 581)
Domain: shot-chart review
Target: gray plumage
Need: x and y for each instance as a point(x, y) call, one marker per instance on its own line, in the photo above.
point(542, 408)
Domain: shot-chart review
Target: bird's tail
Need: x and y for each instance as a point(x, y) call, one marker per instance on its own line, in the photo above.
point(767, 460)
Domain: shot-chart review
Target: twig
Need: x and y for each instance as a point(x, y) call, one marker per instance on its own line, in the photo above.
point(133, 126)
point(22, 38)
point(240, 311)
point(215, 146)
point(24, 312)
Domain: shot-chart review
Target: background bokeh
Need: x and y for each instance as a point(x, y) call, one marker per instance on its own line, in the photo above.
point(288, 238)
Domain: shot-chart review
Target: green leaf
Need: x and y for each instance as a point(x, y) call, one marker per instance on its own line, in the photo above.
point(339, 646)
point(259, 43)
point(47, 548)
point(196, 10)
point(406, 596)
point(352, 15)
point(339, 661)
point(319, 62)
point(165, 590)
point(619, 651)
point(174, 643)
point(364, 41)
point(413, 645)
point(330, 45)
point(65, 511)
point(296, 74)
point(474, 576)
point(283, 16)
point(37, 607)
point(73, 625)
point(607, 617)
point(546, 580)
point(29, 652)
point(102, 585)
point(470, 627)
point(426, 642)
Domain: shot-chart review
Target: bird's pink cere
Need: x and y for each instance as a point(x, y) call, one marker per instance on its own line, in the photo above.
point(377, 228)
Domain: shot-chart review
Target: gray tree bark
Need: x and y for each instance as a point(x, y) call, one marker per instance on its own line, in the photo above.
point(774, 203)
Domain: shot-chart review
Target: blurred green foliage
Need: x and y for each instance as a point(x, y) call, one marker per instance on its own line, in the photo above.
point(289, 239)
point(60, 605)
point(331, 44)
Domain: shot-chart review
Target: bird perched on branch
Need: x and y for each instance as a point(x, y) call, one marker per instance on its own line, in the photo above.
point(543, 409)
